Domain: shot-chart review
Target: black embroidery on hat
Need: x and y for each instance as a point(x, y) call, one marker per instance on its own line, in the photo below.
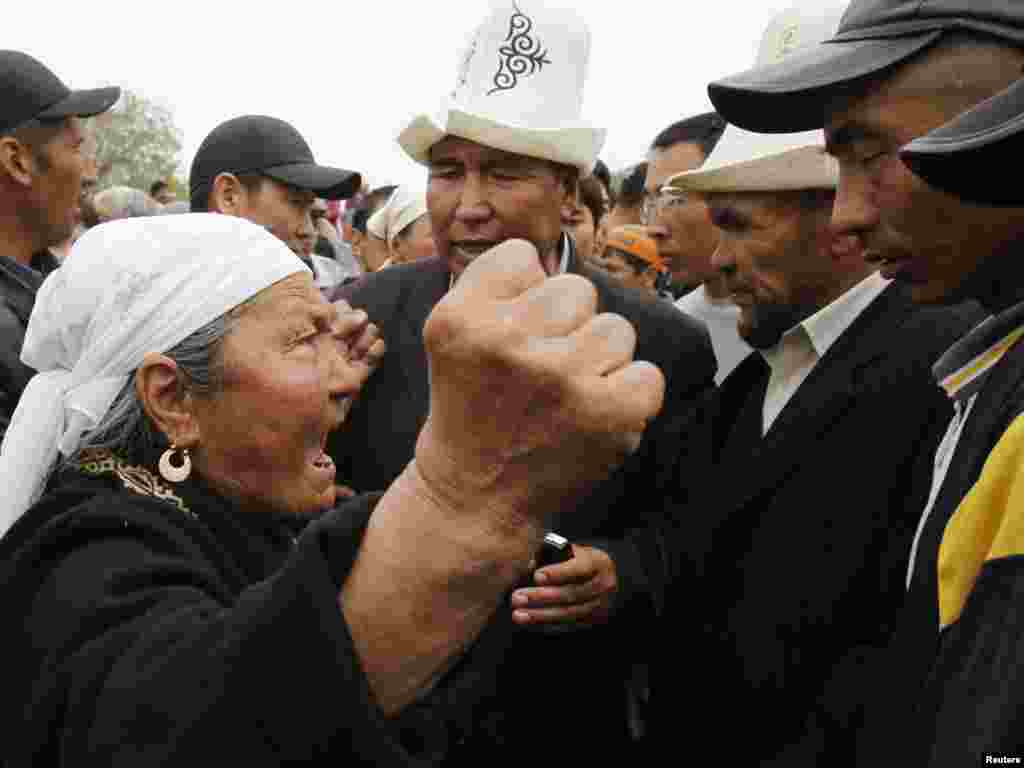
point(521, 56)
point(464, 68)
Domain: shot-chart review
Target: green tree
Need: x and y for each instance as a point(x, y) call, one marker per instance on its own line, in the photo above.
point(137, 143)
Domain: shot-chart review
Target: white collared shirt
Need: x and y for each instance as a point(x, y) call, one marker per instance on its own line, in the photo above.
point(564, 263)
point(721, 317)
point(794, 357)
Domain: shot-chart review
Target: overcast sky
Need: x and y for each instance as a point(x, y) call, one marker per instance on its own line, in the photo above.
point(349, 74)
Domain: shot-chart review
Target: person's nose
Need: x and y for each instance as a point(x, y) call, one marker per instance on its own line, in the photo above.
point(307, 232)
point(855, 209)
point(339, 374)
point(474, 206)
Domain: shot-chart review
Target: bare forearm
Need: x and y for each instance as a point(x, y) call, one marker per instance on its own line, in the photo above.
point(426, 582)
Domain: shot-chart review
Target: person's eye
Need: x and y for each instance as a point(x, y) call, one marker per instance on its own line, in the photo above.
point(506, 174)
point(443, 173)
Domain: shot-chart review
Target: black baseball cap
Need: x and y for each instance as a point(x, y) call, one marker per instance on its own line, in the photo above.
point(29, 90)
point(968, 156)
point(268, 146)
point(793, 94)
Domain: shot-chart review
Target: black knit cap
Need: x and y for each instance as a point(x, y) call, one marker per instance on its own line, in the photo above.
point(271, 147)
point(29, 90)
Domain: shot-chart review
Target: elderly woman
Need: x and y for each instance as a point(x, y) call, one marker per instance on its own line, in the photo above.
point(404, 224)
point(180, 587)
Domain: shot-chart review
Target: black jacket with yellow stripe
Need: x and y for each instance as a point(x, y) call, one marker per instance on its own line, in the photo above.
point(953, 692)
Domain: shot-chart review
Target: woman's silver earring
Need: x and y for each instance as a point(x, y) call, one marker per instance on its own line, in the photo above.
point(175, 468)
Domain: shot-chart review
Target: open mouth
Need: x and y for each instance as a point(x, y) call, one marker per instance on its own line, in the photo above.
point(467, 252)
point(322, 461)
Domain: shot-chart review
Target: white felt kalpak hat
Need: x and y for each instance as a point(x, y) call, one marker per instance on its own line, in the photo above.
point(519, 89)
point(765, 162)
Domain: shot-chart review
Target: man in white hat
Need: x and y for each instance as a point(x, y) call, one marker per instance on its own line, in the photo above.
point(505, 153)
point(787, 573)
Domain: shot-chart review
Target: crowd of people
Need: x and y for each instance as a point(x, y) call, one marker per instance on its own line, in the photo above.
point(715, 459)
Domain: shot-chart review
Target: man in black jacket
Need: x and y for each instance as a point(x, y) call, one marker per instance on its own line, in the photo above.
point(41, 170)
point(951, 693)
point(485, 187)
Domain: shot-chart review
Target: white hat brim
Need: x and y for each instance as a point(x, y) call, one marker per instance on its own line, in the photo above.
point(577, 144)
point(748, 162)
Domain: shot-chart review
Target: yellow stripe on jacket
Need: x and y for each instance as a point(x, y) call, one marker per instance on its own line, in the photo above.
point(988, 524)
point(980, 364)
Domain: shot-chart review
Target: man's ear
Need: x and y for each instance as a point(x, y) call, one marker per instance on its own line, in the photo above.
point(16, 161)
point(228, 195)
point(169, 406)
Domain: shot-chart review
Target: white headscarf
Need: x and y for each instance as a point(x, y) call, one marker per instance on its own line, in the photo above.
point(402, 209)
point(127, 288)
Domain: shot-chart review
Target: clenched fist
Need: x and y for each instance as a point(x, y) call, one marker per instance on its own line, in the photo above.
point(534, 397)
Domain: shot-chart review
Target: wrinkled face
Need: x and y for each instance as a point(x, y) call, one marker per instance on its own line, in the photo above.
point(261, 438)
point(55, 196)
point(619, 266)
point(284, 210)
point(771, 258)
point(681, 228)
point(415, 242)
point(918, 235)
point(478, 197)
point(578, 221)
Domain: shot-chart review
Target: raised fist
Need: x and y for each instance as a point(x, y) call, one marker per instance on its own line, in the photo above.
point(534, 397)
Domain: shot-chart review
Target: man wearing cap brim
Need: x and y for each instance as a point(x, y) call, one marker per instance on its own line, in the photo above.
point(504, 154)
point(262, 169)
point(949, 694)
point(958, 157)
point(41, 170)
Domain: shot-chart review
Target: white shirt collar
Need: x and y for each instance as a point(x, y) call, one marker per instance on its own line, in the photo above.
point(830, 322)
point(826, 325)
point(563, 265)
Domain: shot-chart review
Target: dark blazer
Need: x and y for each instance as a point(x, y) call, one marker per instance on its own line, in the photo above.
point(378, 441)
point(785, 571)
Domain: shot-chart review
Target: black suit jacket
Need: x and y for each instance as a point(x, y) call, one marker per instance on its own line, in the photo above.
point(785, 570)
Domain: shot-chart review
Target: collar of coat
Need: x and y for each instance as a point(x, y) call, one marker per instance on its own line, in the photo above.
point(965, 366)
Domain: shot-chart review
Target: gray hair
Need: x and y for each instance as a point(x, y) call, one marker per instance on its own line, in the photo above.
point(126, 430)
